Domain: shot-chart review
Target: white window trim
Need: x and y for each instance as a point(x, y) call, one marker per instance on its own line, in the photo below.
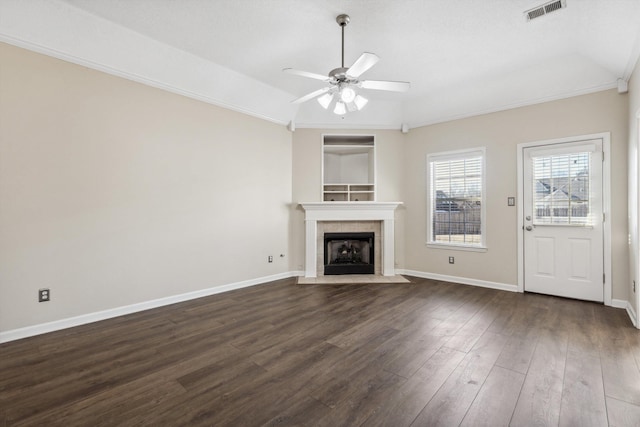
point(456, 154)
point(458, 247)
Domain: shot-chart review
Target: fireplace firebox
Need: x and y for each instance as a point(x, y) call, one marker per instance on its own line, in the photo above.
point(348, 253)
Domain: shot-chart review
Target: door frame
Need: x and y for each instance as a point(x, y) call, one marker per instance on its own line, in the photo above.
point(606, 203)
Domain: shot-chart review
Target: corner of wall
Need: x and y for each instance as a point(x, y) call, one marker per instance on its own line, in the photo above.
point(634, 193)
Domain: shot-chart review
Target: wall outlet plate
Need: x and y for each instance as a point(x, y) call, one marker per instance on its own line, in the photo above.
point(511, 201)
point(451, 260)
point(44, 295)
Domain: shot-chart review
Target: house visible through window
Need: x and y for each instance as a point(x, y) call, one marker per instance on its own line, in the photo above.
point(561, 189)
point(456, 191)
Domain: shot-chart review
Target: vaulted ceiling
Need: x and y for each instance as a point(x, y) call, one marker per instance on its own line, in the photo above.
point(462, 57)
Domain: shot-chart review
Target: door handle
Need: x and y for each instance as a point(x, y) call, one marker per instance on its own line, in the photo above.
point(528, 228)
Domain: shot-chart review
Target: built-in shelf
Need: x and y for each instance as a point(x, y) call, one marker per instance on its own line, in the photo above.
point(349, 192)
point(348, 168)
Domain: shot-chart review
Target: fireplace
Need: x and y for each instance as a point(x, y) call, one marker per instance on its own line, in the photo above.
point(323, 217)
point(349, 253)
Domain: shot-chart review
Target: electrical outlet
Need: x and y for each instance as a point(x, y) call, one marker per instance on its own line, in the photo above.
point(44, 295)
point(451, 260)
point(511, 201)
point(634, 286)
point(270, 258)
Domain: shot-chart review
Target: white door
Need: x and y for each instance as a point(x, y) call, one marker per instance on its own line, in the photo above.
point(563, 220)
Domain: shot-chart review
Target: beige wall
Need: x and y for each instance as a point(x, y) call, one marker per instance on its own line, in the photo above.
point(307, 179)
point(114, 193)
point(401, 165)
point(500, 133)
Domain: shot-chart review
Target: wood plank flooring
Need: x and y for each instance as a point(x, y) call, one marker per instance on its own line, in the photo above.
point(424, 353)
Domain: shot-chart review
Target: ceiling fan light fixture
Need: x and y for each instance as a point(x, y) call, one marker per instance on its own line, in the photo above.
point(325, 100)
point(343, 82)
point(360, 101)
point(347, 95)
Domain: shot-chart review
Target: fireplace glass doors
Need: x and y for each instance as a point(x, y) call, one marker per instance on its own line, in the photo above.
point(348, 253)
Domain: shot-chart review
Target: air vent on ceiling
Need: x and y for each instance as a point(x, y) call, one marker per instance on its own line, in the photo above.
point(542, 10)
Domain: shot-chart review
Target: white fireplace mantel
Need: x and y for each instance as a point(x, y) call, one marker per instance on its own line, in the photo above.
point(350, 211)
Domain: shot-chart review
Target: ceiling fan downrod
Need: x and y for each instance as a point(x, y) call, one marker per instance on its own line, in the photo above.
point(343, 20)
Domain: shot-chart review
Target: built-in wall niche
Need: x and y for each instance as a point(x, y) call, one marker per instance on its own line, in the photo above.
point(348, 168)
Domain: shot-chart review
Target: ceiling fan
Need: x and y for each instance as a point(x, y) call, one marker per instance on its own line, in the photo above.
point(343, 82)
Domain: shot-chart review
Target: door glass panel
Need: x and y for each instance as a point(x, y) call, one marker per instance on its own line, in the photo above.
point(561, 189)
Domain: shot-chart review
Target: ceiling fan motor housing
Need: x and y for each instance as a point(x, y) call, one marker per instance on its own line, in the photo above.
point(340, 74)
point(343, 20)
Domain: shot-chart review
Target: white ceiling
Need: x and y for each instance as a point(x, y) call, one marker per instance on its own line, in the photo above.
point(462, 57)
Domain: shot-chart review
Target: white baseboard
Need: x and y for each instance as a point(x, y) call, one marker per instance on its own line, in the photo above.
point(462, 280)
point(632, 314)
point(83, 319)
point(620, 303)
point(617, 303)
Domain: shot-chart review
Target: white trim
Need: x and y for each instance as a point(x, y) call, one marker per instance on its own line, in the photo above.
point(569, 148)
point(162, 85)
point(350, 211)
point(459, 247)
point(460, 280)
point(445, 156)
point(514, 105)
point(620, 303)
point(606, 203)
point(346, 126)
point(616, 303)
point(632, 315)
point(464, 153)
point(634, 187)
point(84, 319)
point(52, 27)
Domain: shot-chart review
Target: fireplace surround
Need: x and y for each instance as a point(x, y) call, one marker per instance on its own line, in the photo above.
point(321, 217)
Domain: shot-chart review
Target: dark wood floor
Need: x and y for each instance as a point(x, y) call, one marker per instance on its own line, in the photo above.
point(421, 354)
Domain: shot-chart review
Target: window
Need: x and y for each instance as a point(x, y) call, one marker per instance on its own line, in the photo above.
point(456, 192)
point(561, 189)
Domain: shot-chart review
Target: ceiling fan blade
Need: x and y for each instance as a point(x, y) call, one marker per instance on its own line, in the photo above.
point(311, 95)
point(385, 85)
point(362, 64)
point(306, 74)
